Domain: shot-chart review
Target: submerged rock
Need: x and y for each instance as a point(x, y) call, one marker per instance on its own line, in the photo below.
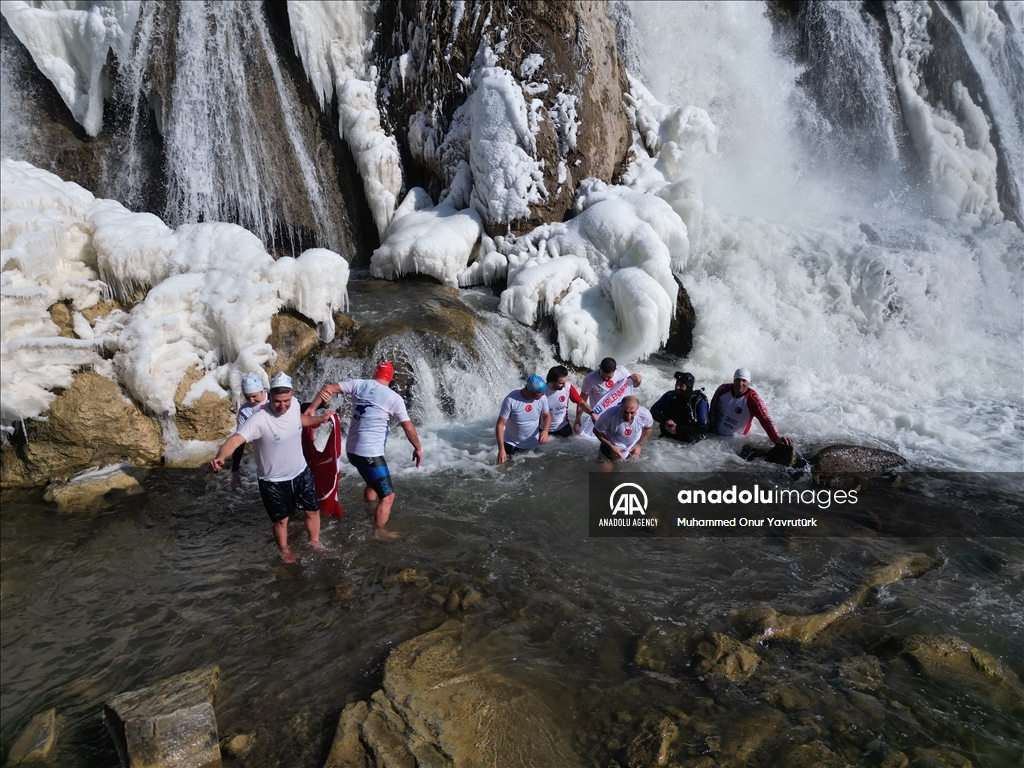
point(443, 704)
point(833, 462)
point(170, 724)
point(95, 487)
point(726, 656)
point(35, 744)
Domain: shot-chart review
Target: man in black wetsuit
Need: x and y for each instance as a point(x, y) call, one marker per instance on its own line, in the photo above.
point(682, 413)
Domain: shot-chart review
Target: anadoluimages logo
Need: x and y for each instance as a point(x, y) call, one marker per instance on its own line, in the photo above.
point(628, 502)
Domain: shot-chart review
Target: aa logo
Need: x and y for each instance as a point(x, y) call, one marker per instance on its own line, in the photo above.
point(628, 498)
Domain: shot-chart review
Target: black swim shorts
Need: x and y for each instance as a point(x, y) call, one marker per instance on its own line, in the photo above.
point(565, 431)
point(283, 499)
point(373, 470)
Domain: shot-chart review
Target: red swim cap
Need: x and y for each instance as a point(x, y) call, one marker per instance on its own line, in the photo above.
point(385, 371)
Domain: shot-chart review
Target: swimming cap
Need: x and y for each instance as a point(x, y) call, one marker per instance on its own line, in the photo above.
point(686, 378)
point(742, 373)
point(385, 371)
point(281, 381)
point(536, 384)
point(251, 384)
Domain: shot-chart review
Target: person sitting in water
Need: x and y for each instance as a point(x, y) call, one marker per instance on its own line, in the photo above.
point(735, 406)
point(255, 398)
point(524, 419)
point(603, 388)
point(560, 393)
point(286, 484)
point(624, 430)
point(683, 412)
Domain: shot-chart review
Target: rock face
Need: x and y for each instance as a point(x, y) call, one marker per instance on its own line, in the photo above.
point(431, 711)
point(208, 417)
point(35, 744)
point(292, 338)
point(575, 45)
point(167, 725)
point(90, 424)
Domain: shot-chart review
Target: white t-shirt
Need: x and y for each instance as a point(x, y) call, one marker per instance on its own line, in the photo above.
point(558, 404)
point(622, 435)
point(522, 428)
point(594, 388)
point(246, 410)
point(373, 405)
point(277, 442)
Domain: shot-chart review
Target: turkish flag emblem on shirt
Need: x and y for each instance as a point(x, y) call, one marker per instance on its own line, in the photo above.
point(561, 399)
point(738, 409)
point(529, 408)
point(629, 432)
point(609, 383)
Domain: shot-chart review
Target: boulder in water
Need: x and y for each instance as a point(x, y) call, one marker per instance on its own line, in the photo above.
point(35, 744)
point(95, 487)
point(170, 724)
point(838, 465)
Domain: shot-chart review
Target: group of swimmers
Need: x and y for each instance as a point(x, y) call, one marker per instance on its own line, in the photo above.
point(529, 416)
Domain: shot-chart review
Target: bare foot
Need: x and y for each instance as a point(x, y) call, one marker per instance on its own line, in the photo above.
point(287, 555)
point(316, 546)
point(383, 533)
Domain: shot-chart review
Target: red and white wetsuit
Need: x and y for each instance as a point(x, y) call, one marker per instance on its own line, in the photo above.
point(731, 415)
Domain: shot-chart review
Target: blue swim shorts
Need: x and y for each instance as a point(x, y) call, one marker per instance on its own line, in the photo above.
point(283, 499)
point(374, 470)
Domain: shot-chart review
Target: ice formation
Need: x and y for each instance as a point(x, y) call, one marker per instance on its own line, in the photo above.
point(607, 276)
point(201, 296)
point(332, 39)
point(69, 42)
point(953, 142)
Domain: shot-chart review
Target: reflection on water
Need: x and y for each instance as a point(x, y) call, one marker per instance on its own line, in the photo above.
point(187, 575)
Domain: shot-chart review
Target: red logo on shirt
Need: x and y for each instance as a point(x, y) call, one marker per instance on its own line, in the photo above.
point(561, 399)
point(609, 383)
point(529, 408)
point(739, 410)
point(629, 432)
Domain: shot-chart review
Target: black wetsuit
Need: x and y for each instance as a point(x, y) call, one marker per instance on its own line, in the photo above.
point(689, 410)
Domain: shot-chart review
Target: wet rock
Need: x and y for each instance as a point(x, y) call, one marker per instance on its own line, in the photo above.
point(432, 711)
point(471, 599)
point(170, 724)
point(101, 309)
point(407, 577)
point(767, 623)
point(813, 755)
point(784, 455)
point(725, 656)
point(208, 417)
point(660, 648)
point(292, 337)
point(346, 749)
point(956, 663)
point(861, 672)
point(452, 603)
point(60, 314)
point(680, 331)
point(239, 745)
point(832, 463)
point(96, 487)
point(747, 735)
point(90, 424)
point(939, 757)
point(35, 744)
point(654, 743)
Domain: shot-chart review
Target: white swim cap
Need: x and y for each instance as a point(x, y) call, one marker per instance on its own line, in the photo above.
point(742, 373)
point(251, 384)
point(281, 381)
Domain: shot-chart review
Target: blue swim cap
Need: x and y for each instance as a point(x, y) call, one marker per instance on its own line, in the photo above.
point(536, 384)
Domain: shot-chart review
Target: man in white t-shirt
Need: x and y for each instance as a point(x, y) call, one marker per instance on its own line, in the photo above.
point(255, 395)
point(374, 404)
point(624, 430)
point(560, 393)
point(524, 420)
point(286, 484)
point(603, 389)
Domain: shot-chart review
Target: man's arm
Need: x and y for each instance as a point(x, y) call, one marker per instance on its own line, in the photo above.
point(545, 426)
point(760, 412)
point(606, 441)
point(313, 420)
point(636, 378)
point(232, 443)
point(644, 437)
point(327, 391)
point(499, 433)
point(414, 438)
point(713, 410)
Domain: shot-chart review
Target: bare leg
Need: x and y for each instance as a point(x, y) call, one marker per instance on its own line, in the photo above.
point(281, 537)
point(381, 515)
point(313, 529)
point(369, 494)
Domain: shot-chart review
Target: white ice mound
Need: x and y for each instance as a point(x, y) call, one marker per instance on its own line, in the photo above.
point(69, 42)
point(200, 296)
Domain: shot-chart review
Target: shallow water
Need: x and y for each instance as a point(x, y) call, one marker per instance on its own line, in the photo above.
point(187, 575)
